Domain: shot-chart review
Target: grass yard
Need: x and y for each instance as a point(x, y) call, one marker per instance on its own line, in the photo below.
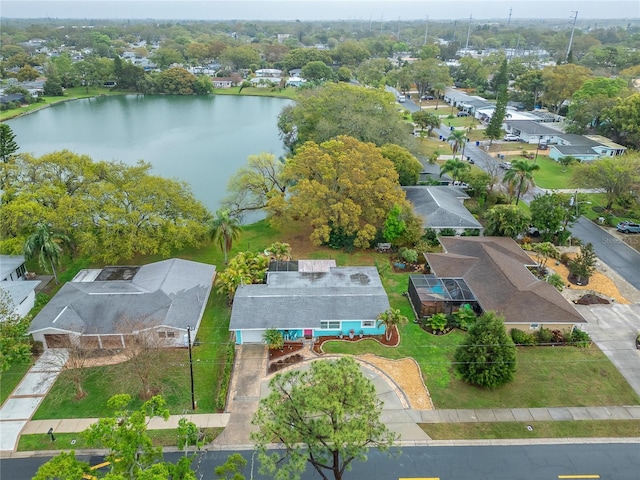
point(545, 377)
point(160, 438)
point(500, 430)
point(10, 379)
point(551, 174)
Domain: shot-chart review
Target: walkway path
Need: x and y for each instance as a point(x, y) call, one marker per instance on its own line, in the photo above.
point(23, 402)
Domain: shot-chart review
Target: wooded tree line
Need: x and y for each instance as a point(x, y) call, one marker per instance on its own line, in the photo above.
point(107, 210)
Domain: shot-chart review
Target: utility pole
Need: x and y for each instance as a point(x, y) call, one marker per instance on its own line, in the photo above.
point(466, 47)
point(573, 28)
point(426, 30)
point(193, 397)
point(509, 20)
point(398, 34)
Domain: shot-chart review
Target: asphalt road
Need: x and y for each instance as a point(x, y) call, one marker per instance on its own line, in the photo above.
point(615, 253)
point(509, 462)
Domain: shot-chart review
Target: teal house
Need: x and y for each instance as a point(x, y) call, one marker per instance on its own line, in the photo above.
point(314, 299)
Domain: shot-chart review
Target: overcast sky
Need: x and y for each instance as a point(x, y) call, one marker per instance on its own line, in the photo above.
point(320, 9)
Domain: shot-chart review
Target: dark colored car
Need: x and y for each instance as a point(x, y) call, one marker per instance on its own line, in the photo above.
point(463, 114)
point(628, 227)
point(427, 97)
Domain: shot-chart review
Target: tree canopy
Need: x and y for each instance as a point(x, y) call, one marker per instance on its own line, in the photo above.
point(328, 416)
point(616, 176)
point(336, 109)
point(108, 210)
point(487, 357)
point(129, 447)
point(342, 187)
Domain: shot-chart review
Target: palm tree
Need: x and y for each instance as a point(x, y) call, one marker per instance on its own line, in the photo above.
point(281, 251)
point(457, 138)
point(457, 168)
point(521, 173)
point(47, 246)
point(224, 230)
point(390, 318)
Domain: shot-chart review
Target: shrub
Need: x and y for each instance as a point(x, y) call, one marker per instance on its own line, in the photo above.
point(452, 321)
point(556, 280)
point(438, 322)
point(431, 236)
point(544, 336)
point(221, 399)
point(448, 232)
point(409, 255)
point(580, 338)
point(521, 337)
point(465, 317)
point(564, 258)
point(273, 338)
point(488, 356)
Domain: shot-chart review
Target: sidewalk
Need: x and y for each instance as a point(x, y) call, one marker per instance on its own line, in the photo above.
point(23, 402)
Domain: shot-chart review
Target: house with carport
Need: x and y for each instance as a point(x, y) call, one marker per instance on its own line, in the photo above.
point(532, 131)
point(310, 299)
point(106, 308)
point(490, 274)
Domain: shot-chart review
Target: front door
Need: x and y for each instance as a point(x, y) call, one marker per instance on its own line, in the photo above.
point(308, 333)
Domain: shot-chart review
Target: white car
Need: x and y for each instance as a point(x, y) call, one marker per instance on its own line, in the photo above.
point(511, 138)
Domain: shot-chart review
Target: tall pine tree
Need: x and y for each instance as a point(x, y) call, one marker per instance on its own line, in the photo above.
point(501, 81)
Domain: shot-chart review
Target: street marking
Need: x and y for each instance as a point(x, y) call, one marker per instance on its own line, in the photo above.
point(578, 476)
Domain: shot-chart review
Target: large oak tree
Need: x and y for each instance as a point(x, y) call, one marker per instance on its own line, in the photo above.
point(340, 187)
point(341, 109)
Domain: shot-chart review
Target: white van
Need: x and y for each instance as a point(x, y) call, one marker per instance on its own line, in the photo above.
point(402, 99)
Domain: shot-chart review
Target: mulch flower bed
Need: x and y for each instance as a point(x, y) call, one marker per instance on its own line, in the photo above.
point(289, 347)
point(381, 339)
point(280, 364)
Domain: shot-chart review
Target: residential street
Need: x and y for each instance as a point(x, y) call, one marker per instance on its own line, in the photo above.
point(615, 253)
point(473, 461)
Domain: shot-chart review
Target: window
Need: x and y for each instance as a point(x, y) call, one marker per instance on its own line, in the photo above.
point(169, 334)
point(368, 323)
point(534, 326)
point(329, 324)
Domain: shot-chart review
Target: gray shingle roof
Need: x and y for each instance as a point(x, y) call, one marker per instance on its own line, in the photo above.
point(532, 128)
point(19, 289)
point(9, 263)
point(495, 270)
point(171, 293)
point(293, 300)
point(441, 207)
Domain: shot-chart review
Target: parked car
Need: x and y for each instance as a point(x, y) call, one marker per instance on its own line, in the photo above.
point(427, 97)
point(402, 99)
point(543, 145)
point(505, 165)
point(462, 185)
point(463, 114)
point(628, 227)
point(511, 138)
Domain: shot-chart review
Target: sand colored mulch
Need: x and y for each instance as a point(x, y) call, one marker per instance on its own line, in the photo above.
point(407, 375)
point(598, 282)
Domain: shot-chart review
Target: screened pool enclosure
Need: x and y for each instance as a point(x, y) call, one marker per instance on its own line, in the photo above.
point(429, 294)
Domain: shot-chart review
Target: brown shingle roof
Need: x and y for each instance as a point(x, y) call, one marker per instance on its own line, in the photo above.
point(495, 270)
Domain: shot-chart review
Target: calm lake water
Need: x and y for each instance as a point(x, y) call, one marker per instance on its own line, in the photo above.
point(201, 140)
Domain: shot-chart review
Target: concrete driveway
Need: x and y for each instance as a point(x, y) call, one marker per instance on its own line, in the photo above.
point(614, 329)
point(250, 382)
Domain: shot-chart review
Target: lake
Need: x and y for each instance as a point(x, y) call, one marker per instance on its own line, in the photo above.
point(201, 140)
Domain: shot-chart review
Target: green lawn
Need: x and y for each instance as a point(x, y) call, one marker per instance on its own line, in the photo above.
point(160, 438)
point(546, 377)
point(10, 379)
point(209, 357)
point(551, 174)
point(500, 430)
